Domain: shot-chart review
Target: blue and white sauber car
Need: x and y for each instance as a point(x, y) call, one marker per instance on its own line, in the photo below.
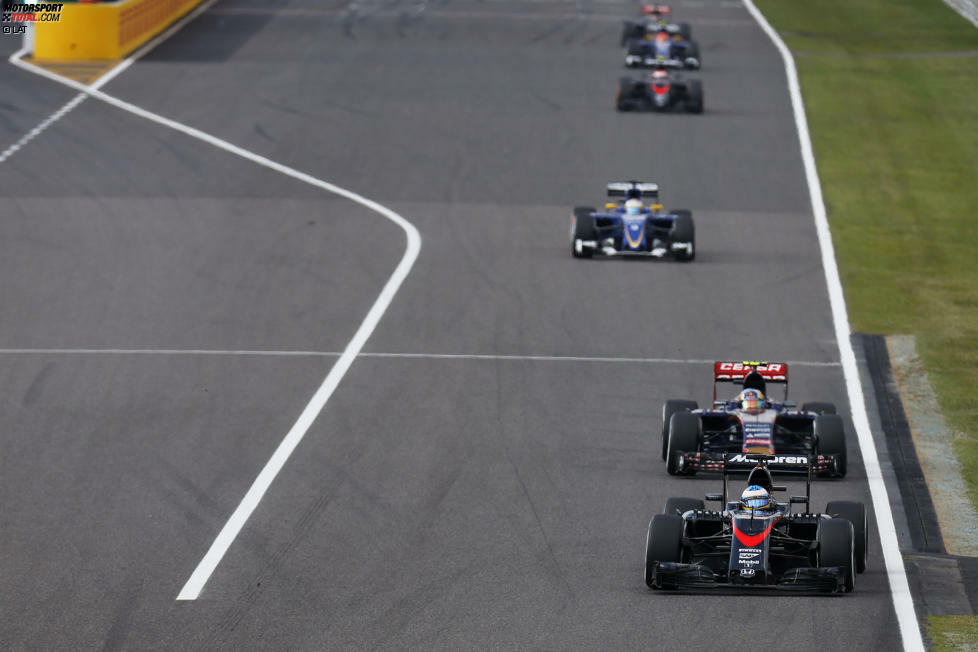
point(630, 228)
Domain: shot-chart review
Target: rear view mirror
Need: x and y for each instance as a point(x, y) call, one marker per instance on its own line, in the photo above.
point(795, 500)
point(714, 497)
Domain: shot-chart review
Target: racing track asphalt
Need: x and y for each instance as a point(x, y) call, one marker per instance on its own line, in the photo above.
point(436, 503)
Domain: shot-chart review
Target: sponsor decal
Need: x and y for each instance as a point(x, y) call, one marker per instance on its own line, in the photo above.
point(773, 367)
point(741, 458)
point(747, 572)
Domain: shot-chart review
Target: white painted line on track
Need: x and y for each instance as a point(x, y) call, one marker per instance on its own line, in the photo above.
point(367, 354)
point(191, 590)
point(899, 587)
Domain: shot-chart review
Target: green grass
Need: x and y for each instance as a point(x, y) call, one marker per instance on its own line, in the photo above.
point(953, 633)
point(891, 93)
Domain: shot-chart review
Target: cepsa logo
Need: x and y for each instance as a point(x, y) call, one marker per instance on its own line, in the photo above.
point(772, 367)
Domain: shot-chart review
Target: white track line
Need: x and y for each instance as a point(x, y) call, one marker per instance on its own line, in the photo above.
point(899, 588)
point(229, 532)
point(367, 354)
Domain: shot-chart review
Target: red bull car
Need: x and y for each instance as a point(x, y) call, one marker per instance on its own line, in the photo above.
point(629, 227)
point(654, 19)
point(756, 541)
point(695, 439)
point(660, 91)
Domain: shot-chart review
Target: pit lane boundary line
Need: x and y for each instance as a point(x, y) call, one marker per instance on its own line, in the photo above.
point(201, 574)
point(896, 573)
point(378, 354)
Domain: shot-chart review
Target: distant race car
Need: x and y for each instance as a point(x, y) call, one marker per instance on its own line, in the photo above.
point(628, 228)
point(663, 50)
point(699, 440)
point(654, 19)
point(755, 541)
point(660, 91)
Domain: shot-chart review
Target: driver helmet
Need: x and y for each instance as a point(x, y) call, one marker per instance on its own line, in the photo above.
point(660, 74)
point(633, 207)
point(751, 401)
point(662, 36)
point(756, 498)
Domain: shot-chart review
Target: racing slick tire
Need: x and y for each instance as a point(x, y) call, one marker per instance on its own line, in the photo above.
point(855, 513)
point(686, 31)
point(624, 90)
point(680, 506)
point(668, 409)
point(684, 231)
point(693, 52)
point(583, 229)
point(836, 547)
point(830, 439)
point(664, 542)
point(684, 437)
point(819, 408)
point(694, 96)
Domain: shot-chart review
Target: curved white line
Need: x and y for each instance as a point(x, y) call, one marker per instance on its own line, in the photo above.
point(229, 532)
point(899, 588)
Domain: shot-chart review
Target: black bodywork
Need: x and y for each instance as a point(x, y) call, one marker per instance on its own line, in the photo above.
point(734, 547)
point(671, 93)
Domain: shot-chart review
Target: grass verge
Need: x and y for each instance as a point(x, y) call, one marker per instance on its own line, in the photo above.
point(891, 93)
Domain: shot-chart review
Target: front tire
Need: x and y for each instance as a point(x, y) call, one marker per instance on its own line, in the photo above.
point(664, 542)
point(684, 437)
point(835, 548)
point(855, 513)
point(671, 407)
point(694, 96)
point(684, 231)
point(582, 229)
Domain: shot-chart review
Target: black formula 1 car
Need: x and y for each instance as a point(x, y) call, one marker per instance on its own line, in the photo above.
point(629, 228)
point(689, 547)
point(663, 50)
point(655, 18)
point(699, 440)
point(660, 91)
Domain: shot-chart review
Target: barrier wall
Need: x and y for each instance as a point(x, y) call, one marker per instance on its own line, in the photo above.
point(105, 31)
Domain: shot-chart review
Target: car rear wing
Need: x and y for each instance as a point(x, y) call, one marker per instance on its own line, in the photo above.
point(633, 189)
point(760, 467)
point(730, 371)
point(656, 9)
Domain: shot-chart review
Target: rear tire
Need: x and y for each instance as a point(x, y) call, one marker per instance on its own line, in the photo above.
point(583, 229)
point(855, 513)
point(830, 439)
point(819, 408)
point(684, 437)
point(694, 97)
point(684, 231)
point(686, 31)
point(664, 542)
point(671, 407)
point(835, 548)
point(680, 506)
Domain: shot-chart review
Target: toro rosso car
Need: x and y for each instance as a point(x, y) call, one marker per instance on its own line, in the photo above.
point(662, 49)
point(629, 228)
point(756, 541)
point(696, 439)
point(655, 18)
point(660, 91)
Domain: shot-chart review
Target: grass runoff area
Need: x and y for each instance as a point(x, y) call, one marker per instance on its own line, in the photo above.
point(891, 93)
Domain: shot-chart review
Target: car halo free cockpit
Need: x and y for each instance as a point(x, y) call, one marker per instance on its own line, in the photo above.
point(695, 439)
point(762, 544)
point(630, 228)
